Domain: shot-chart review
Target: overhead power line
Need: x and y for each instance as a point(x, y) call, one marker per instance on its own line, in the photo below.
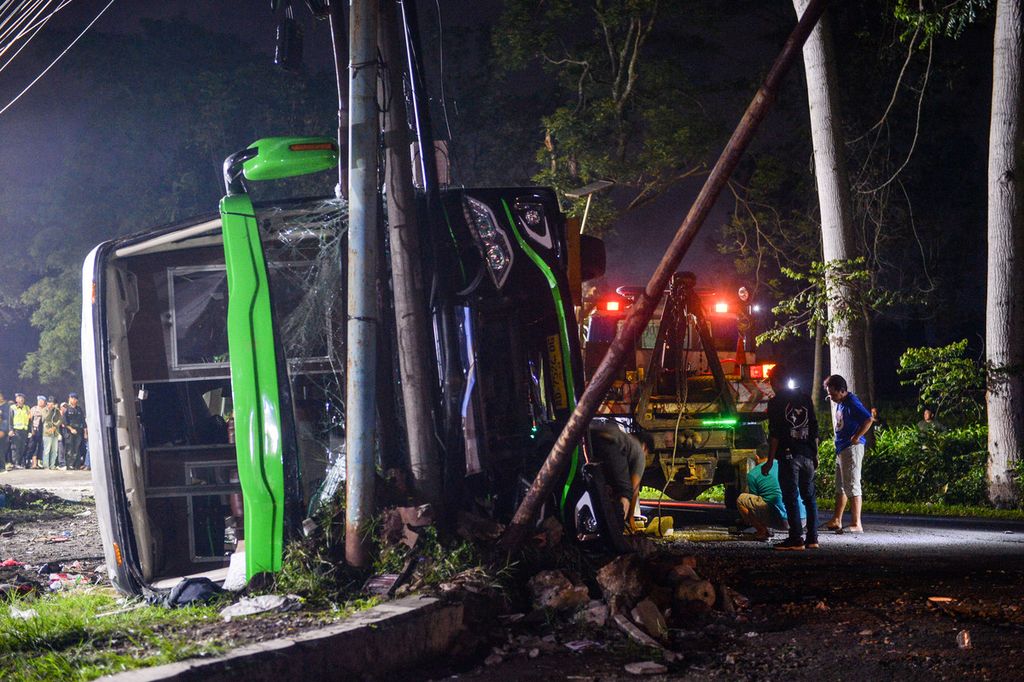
point(57, 59)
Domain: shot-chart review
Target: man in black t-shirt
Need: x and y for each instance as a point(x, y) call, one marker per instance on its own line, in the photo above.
point(793, 440)
point(623, 458)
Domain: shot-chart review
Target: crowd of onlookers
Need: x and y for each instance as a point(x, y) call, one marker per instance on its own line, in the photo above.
point(47, 435)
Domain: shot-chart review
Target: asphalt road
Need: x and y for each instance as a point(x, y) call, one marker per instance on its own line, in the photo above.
point(71, 485)
point(689, 514)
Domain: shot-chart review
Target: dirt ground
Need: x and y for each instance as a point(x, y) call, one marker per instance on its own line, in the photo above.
point(859, 606)
point(39, 529)
point(849, 610)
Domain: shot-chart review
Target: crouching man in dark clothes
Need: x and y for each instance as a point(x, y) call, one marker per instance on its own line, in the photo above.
point(623, 459)
point(793, 440)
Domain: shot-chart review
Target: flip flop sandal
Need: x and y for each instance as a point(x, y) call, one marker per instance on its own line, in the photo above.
point(830, 526)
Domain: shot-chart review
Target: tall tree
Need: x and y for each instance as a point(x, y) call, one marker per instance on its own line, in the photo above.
point(846, 339)
point(623, 111)
point(1004, 318)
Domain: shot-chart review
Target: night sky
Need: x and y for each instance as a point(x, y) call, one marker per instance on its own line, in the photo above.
point(740, 47)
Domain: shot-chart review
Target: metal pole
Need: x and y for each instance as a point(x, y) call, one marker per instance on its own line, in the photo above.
point(410, 298)
point(641, 312)
point(360, 377)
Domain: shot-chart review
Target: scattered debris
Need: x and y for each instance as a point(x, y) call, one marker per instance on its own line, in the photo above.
point(554, 590)
point(248, 606)
point(623, 577)
point(582, 645)
point(647, 615)
point(700, 591)
point(22, 614)
point(963, 639)
point(68, 581)
point(595, 614)
point(11, 562)
point(380, 585)
point(635, 633)
point(189, 591)
point(552, 532)
point(646, 668)
point(493, 659)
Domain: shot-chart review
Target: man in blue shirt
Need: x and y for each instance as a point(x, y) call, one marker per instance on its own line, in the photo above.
point(851, 420)
point(762, 506)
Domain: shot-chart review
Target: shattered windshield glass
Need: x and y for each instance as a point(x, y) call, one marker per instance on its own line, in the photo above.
point(305, 246)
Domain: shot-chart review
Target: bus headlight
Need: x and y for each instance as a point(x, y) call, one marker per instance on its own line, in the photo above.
point(494, 245)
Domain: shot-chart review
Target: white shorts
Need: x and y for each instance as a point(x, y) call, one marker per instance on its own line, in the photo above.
point(848, 464)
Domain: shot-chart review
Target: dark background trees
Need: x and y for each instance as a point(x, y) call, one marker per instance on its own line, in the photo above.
point(130, 130)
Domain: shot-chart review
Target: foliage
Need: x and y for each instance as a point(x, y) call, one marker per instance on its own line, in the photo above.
point(909, 466)
point(770, 228)
point(952, 384)
point(932, 509)
point(56, 312)
point(938, 17)
point(623, 110)
point(86, 634)
point(715, 493)
point(822, 285)
point(142, 125)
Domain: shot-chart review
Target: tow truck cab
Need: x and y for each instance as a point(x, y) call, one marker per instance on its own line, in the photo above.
point(694, 382)
point(213, 361)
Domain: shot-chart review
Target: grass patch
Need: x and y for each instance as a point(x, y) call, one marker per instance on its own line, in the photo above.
point(70, 639)
point(715, 493)
point(933, 509)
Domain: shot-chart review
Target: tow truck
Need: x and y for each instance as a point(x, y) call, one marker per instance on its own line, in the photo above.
point(694, 383)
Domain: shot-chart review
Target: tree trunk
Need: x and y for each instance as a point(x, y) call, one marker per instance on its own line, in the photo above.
point(1004, 315)
point(819, 369)
point(869, 358)
point(846, 338)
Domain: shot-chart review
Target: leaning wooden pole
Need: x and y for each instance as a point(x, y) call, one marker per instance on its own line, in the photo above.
point(411, 310)
point(557, 460)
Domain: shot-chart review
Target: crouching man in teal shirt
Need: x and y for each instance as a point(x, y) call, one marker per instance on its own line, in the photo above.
point(763, 507)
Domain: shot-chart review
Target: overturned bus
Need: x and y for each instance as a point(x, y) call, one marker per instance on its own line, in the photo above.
point(214, 361)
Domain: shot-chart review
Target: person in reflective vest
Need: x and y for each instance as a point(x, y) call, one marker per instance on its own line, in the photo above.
point(21, 419)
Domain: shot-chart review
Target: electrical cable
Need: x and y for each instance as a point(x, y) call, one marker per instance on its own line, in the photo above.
point(26, 25)
point(57, 59)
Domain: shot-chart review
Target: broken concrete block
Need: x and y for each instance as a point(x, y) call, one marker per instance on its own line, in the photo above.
point(595, 613)
point(635, 633)
point(624, 577)
point(646, 668)
point(647, 615)
point(553, 590)
point(696, 591)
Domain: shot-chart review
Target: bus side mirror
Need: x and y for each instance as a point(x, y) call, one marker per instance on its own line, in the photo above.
point(593, 260)
point(273, 158)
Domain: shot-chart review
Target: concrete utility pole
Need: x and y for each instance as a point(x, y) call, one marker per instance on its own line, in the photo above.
point(411, 305)
point(641, 312)
point(363, 237)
